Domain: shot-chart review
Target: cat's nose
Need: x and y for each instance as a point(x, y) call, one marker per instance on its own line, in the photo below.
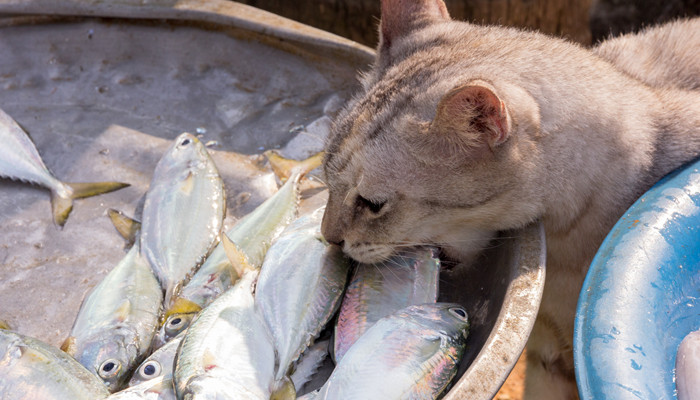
point(331, 233)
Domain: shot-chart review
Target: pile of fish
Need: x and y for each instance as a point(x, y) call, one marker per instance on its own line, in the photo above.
point(192, 312)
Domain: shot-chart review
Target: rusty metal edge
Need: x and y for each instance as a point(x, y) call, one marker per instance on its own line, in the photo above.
point(497, 357)
point(228, 13)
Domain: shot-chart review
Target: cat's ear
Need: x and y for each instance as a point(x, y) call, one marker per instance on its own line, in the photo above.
point(474, 116)
point(399, 17)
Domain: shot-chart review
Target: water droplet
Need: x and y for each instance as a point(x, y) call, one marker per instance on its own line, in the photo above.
point(201, 130)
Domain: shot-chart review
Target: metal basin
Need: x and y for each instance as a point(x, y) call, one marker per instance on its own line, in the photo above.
point(641, 296)
point(103, 87)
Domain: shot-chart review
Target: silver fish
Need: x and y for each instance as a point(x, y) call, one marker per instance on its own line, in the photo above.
point(411, 354)
point(183, 213)
point(227, 352)
point(31, 369)
point(300, 286)
point(117, 320)
point(159, 363)
point(377, 290)
point(253, 234)
point(20, 160)
point(160, 388)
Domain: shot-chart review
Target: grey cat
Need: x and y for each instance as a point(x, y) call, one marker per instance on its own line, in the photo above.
point(462, 130)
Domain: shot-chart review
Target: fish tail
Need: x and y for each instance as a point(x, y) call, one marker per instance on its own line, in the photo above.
point(284, 390)
point(62, 203)
point(285, 168)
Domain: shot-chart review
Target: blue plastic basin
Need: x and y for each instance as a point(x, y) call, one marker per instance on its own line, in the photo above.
point(642, 295)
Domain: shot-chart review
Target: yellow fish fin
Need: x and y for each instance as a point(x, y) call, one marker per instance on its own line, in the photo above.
point(284, 390)
point(61, 205)
point(127, 227)
point(236, 256)
point(285, 168)
point(68, 346)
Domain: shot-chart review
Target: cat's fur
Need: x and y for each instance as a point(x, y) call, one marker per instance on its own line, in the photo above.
point(461, 130)
point(667, 55)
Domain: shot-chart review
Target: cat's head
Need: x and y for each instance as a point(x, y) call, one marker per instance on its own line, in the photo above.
point(427, 154)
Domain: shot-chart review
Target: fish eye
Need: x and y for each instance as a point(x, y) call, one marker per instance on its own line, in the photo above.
point(150, 370)
point(109, 369)
point(458, 312)
point(175, 324)
point(185, 142)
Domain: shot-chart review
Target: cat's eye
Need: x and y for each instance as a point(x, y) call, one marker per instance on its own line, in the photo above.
point(374, 206)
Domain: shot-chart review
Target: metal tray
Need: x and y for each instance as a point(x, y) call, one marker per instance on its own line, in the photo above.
point(103, 87)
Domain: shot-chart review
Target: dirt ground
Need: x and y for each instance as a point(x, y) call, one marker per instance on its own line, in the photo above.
point(513, 387)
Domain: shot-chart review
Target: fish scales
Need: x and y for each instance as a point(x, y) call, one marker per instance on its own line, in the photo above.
point(253, 234)
point(300, 286)
point(183, 213)
point(227, 351)
point(117, 320)
point(31, 369)
point(377, 290)
point(411, 354)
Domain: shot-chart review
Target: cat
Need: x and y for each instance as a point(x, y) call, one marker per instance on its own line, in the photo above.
point(461, 130)
point(666, 55)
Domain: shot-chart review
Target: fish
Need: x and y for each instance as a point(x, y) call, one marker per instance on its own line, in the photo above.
point(410, 354)
point(31, 369)
point(20, 160)
point(117, 320)
point(160, 388)
point(300, 287)
point(227, 352)
point(183, 213)
point(377, 290)
point(688, 367)
point(159, 364)
point(309, 363)
point(253, 234)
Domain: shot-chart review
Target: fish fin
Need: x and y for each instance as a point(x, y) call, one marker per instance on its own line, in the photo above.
point(188, 183)
point(285, 168)
point(236, 256)
point(309, 362)
point(60, 208)
point(82, 190)
point(284, 390)
point(68, 346)
point(127, 227)
point(181, 305)
point(124, 310)
point(61, 205)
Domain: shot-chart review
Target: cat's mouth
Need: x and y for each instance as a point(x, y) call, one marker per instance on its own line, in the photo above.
point(368, 253)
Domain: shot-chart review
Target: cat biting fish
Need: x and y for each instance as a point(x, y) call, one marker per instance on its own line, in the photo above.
point(461, 130)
